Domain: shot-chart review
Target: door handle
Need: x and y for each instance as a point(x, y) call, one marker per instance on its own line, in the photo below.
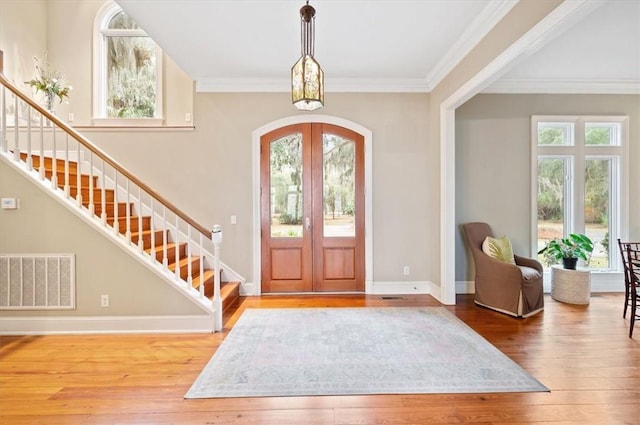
point(307, 223)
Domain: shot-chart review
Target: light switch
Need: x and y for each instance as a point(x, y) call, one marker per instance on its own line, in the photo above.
point(9, 203)
point(233, 219)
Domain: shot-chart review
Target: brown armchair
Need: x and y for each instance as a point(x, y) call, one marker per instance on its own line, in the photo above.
point(514, 289)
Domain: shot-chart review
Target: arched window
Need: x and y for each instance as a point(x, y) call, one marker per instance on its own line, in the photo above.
point(127, 81)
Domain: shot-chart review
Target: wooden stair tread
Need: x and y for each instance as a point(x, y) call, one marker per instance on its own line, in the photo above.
point(208, 275)
point(227, 288)
point(68, 173)
point(48, 162)
point(170, 245)
point(230, 294)
point(184, 262)
point(145, 232)
point(170, 252)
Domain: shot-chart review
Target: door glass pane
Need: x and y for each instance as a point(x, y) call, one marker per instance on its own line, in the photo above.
point(339, 162)
point(286, 186)
point(596, 209)
point(555, 133)
point(551, 172)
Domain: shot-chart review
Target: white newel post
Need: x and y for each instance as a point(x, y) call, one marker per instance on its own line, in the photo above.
point(216, 237)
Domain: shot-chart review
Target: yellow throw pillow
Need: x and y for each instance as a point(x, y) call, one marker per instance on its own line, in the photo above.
point(499, 249)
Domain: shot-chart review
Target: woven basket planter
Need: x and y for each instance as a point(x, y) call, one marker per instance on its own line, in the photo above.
point(570, 286)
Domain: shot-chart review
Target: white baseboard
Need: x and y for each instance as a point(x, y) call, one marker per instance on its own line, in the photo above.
point(104, 325)
point(248, 289)
point(465, 287)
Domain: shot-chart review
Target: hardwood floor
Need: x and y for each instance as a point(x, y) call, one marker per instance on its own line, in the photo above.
point(582, 353)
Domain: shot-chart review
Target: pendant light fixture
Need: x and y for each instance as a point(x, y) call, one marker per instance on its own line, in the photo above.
point(307, 78)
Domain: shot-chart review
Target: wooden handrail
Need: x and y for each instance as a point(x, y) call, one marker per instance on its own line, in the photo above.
point(104, 156)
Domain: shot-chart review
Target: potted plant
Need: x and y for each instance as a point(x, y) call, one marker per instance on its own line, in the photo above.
point(568, 249)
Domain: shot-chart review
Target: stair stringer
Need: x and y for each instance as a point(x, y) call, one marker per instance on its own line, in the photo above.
point(118, 239)
point(228, 274)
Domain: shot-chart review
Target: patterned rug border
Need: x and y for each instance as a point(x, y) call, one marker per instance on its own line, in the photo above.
point(251, 370)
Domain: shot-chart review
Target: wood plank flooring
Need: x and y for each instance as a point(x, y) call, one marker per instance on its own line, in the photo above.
point(582, 353)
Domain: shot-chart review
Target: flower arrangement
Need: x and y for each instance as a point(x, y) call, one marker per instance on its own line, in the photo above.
point(50, 82)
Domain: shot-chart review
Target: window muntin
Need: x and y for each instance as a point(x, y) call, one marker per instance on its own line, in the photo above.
point(122, 21)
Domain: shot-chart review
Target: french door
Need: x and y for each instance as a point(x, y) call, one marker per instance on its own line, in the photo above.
point(312, 209)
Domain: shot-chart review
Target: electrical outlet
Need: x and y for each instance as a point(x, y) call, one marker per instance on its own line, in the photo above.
point(104, 300)
point(406, 270)
point(234, 219)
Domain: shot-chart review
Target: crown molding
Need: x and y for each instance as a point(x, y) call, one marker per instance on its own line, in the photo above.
point(377, 85)
point(419, 85)
point(336, 85)
point(480, 27)
point(565, 86)
point(242, 85)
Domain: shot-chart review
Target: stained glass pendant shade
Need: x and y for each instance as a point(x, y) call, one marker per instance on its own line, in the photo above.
point(307, 78)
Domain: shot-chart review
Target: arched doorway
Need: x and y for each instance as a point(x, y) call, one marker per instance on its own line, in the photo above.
point(312, 209)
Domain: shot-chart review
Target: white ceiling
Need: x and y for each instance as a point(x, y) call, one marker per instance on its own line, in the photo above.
point(384, 45)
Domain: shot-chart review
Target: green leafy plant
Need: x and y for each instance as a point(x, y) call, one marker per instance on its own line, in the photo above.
point(573, 246)
point(50, 82)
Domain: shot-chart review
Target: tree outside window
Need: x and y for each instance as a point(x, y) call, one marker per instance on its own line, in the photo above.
point(131, 70)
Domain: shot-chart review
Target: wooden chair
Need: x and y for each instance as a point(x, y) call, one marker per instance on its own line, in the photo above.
point(627, 278)
point(633, 259)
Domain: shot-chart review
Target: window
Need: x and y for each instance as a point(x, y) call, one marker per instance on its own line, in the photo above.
point(127, 69)
point(578, 177)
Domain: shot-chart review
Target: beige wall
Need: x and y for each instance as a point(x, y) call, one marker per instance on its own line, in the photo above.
point(514, 25)
point(493, 161)
point(43, 226)
point(208, 172)
point(64, 29)
point(23, 35)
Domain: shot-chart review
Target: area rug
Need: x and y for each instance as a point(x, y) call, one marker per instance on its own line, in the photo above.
point(349, 351)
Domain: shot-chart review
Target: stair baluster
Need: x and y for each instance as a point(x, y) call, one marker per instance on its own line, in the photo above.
point(179, 247)
point(201, 272)
point(216, 238)
point(54, 161)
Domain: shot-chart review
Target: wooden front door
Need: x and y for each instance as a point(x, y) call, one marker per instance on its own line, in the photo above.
point(312, 209)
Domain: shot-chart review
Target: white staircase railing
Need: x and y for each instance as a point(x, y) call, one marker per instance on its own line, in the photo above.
point(116, 199)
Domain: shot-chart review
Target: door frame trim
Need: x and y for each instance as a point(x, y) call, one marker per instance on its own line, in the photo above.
point(368, 181)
